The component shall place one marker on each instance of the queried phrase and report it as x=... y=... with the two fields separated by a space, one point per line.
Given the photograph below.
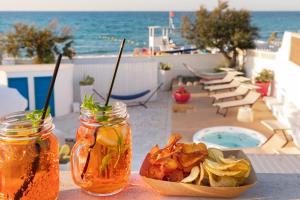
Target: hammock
x=130 y=97
x=133 y=96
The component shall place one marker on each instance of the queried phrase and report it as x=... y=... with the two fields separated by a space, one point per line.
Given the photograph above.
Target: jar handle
x=78 y=160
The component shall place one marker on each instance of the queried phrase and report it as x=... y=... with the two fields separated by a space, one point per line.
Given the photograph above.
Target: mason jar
x=29 y=165
x=101 y=157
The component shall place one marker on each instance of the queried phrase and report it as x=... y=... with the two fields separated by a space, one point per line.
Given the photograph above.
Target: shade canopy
x=11 y=101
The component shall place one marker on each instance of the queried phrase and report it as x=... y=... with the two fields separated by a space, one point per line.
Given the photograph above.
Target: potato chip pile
x=226 y=172
x=174 y=162
x=217 y=171
x=193 y=163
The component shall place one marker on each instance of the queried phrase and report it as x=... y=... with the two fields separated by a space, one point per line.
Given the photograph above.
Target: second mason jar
x=101 y=157
x=29 y=168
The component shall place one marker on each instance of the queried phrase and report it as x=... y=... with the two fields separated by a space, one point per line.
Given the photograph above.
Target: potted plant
x=263 y=80
x=86 y=86
x=165 y=75
x=181 y=95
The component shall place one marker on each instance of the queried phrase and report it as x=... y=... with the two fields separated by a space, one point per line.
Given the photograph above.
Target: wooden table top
x=278 y=178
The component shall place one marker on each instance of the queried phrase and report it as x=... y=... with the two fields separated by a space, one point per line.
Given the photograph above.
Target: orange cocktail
x=29 y=168
x=101 y=157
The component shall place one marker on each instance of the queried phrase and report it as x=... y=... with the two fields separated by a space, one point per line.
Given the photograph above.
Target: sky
x=142 y=5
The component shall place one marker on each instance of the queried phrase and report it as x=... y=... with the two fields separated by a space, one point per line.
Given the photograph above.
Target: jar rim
x=16 y=126
x=116 y=115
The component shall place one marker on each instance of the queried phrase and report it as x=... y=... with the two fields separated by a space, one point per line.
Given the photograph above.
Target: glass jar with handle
x=101 y=157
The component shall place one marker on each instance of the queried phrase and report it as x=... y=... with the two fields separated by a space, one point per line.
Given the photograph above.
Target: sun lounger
x=227 y=79
x=240 y=91
x=226 y=69
x=277 y=127
x=249 y=100
x=236 y=82
x=273 y=145
x=213 y=88
x=205 y=75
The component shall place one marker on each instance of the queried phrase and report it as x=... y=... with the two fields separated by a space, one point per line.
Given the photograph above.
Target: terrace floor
x=201 y=114
x=153 y=125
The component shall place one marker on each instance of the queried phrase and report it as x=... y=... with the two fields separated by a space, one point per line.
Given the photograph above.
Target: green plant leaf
x=105 y=161
x=36 y=116
x=95 y=108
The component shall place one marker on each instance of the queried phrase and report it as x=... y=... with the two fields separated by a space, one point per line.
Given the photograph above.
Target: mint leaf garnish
x=36 y=116
x=94 y=107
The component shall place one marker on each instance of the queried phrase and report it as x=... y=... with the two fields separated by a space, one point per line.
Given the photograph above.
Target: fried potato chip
x=219 y=172
x=244 y=167
x=219 y=166
x=192 y=148
x=154 y=149
x=229 y=160
x=170 y=165
x=193 y=175
x=174 y=176
x=145 y=166
x=201 y=175
x=174 y=138
x=187 y=160
x=215 y=154
x=155 y=172
x=221 y=181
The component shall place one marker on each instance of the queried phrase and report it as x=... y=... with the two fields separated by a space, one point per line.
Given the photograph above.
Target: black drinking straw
x=115 y=72
x=106 y=104
x=35 y=163
x=50 y=90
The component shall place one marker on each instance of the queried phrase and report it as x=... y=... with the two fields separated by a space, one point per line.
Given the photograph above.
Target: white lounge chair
x=214 y=88
x=227 y=79
x=240 y=91
x=249 y=100
x=205 y=75
x=226 y=69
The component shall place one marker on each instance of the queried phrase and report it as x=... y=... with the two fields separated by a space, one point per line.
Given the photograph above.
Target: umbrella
x=11 y=101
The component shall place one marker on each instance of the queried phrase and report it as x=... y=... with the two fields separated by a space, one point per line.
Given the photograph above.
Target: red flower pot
x=181 y=95
x=264 y=88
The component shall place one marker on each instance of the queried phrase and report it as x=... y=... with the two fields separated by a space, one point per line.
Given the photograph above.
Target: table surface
x=278 y=178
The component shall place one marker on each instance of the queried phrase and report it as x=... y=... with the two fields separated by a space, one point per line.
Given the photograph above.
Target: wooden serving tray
x=183 y=189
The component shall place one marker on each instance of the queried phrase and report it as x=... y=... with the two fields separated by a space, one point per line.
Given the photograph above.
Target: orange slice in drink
x=107 y=136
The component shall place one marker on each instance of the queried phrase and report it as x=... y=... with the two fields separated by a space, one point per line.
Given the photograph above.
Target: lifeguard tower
x=159 y=35
x=158 y=38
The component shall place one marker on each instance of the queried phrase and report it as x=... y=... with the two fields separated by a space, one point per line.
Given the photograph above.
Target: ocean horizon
x=100 y=32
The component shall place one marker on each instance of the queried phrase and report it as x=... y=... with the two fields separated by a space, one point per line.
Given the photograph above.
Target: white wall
x=286 y=83
x=136 y=73
x=132 y=77
x=201 y=62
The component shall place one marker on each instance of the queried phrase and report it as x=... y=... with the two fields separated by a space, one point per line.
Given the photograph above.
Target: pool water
x=229 y=137
x=231 y=140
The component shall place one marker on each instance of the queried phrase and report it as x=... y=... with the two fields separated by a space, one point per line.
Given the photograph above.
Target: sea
x=101 y=32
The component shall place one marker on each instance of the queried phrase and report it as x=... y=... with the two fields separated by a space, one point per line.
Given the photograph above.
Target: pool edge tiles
x=199 y=135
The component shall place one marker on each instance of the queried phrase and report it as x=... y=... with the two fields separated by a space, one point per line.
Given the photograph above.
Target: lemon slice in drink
x=107 y=136
x=64 y=150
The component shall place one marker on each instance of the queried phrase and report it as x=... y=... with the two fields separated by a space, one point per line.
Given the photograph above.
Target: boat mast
x=171 y=21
